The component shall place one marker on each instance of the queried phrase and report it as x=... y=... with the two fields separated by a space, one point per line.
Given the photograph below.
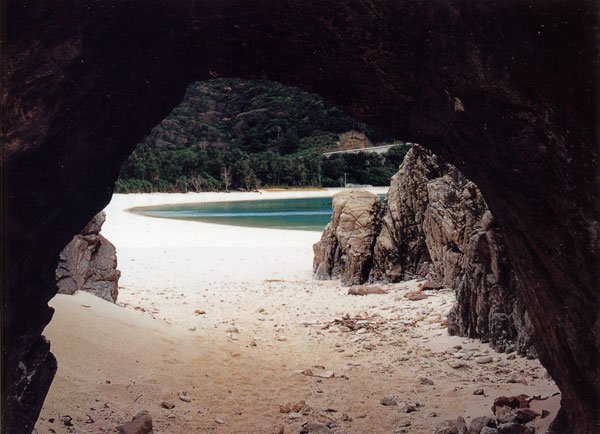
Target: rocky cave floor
x=272 y=356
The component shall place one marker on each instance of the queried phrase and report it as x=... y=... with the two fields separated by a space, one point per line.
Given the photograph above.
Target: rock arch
x=506 y=91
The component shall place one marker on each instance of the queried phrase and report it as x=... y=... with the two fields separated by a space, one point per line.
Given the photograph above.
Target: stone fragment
x=366 y=290
x=140 y=424
x=388 y=400
x=415 y=296
x=408 y=408
x=182 y=395
x=167 y=404
x=315 y=428
x=478 y=423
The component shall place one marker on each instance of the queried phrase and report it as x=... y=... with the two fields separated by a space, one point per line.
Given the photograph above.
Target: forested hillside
x=235 y=134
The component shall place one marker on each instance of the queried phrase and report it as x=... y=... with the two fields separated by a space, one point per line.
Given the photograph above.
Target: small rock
x=488 y=430
x=478 y=392
x=483 y=359
x=455 y=364
x=461 y=425
x=315 y=428
x=192 y=329
x=285 y=408
x=366 y=290
x=409 y=408
x=326 y=374
x=199 y=312
x=426 y=381
x=295 y=415
x=182 y=395
x=66 y=420
x=388 y=400
x=478 y=423
x=403 y=423
x=431 y=286
x=232 y=329
x=140 y=424
x=297 y=407
x=432 y=414
x=346 y=418
x=446 y=427
x=167 y=404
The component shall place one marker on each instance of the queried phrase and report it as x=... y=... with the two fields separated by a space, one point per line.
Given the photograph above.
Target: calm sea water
x=308 y=214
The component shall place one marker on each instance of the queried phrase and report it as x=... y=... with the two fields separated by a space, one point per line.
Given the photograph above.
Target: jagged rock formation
x=89 y=263
x=506 y=91
x=346 y=247
x=435 y=224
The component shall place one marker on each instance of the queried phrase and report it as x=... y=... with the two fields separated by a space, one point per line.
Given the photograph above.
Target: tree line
x=223 y=169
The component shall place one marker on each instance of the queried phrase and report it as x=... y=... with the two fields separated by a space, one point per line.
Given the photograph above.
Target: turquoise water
x=308 y=214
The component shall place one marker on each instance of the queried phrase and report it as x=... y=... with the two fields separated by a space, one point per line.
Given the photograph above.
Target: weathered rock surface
x=140 y=424
x=84 y=81
x=434 y=224
x=89 y=263
x=346 y=247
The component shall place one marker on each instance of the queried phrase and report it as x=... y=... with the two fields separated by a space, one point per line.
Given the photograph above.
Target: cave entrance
x=224 y=327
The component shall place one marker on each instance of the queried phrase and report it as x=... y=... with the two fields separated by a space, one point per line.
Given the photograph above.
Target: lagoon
x=307 y=214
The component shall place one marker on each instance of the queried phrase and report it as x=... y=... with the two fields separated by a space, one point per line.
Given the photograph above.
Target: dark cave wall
x=505 y=91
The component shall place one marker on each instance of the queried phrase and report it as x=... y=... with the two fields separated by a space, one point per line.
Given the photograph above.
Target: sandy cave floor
x=232 y=316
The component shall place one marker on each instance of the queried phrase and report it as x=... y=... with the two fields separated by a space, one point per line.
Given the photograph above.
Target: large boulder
x=434 y=224
x=89 y=263
x=346 y=247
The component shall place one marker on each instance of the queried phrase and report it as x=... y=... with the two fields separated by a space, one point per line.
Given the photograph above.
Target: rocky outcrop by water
x=89 y=263
x=346 y=247
x=434 y=224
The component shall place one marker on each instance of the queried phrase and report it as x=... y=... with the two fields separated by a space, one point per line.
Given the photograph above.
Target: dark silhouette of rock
x=506 y=91
x=140 y=424
x=434 y=224
x=89 y=263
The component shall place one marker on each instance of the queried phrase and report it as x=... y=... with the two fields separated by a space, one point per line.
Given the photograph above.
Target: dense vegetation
x=234 y=134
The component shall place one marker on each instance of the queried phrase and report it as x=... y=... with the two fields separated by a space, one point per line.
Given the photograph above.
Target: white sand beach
x=231 y=315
